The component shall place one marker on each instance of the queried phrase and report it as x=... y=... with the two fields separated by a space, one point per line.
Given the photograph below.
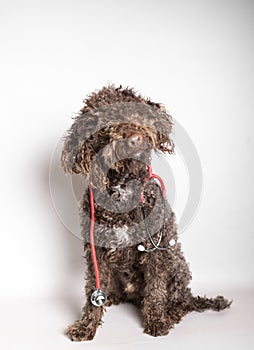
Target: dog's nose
x=135 y=141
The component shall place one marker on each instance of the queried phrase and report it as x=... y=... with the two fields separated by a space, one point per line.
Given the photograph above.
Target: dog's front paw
x=79 y=331
x=156 y=329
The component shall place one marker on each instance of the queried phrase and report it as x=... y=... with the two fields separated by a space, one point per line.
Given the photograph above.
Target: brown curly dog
x=110 y=143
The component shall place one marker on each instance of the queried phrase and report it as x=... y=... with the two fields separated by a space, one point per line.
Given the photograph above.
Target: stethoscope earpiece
x=141 y=248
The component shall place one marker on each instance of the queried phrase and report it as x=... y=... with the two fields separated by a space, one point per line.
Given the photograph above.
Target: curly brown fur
x=100 y=146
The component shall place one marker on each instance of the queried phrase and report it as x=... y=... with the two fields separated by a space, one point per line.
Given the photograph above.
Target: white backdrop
x=196 y=57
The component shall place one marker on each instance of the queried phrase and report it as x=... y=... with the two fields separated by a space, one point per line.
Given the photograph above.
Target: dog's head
x=115 y=126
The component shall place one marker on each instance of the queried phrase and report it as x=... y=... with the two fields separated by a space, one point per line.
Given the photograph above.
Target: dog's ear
x=163 y=142
x=77 y=151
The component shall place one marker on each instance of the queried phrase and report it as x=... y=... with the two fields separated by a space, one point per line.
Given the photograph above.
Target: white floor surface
x=40 y=323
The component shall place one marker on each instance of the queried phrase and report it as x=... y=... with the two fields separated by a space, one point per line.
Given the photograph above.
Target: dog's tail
x=201 y=304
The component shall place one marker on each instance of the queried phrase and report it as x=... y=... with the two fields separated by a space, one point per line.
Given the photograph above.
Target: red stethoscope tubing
x=154 y=176
x=92 y=245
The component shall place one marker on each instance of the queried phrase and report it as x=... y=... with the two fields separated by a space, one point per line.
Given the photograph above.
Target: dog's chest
x=125 y=264
x=122 y=194
x=123 y=258
x=119 y=221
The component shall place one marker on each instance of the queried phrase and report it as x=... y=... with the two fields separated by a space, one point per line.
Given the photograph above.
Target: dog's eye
x=102 y=131
x=148 y=140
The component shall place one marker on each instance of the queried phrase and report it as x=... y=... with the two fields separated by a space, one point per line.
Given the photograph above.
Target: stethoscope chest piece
x=98 y=298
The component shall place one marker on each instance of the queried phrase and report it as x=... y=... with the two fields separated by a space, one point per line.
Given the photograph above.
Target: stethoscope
x=98 y=297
